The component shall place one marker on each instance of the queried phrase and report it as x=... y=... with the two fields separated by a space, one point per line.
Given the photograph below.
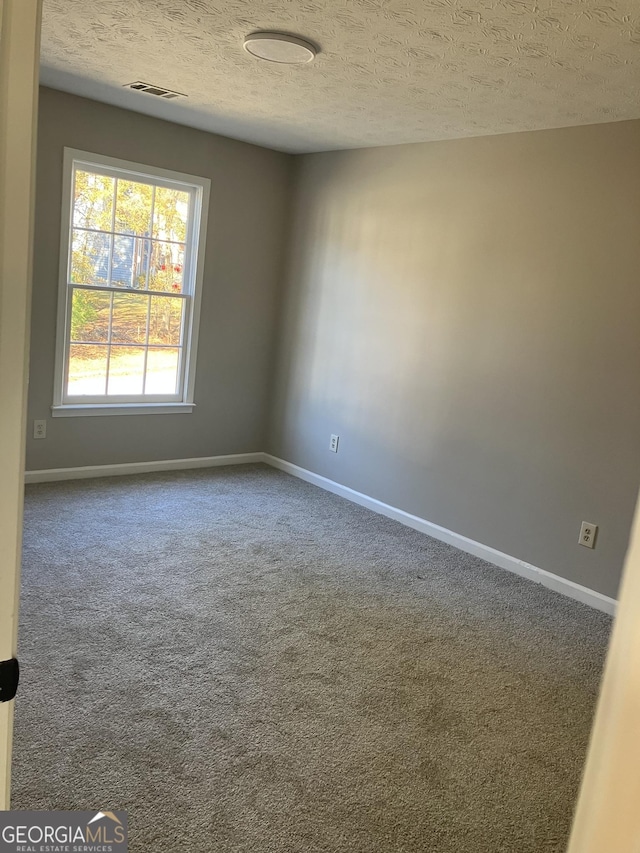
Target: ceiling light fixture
x=280 y=47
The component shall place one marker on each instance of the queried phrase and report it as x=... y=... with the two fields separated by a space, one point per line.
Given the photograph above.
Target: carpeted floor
x=248 y=664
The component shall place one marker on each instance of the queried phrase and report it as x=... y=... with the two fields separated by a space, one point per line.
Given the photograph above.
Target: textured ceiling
x=389 y=71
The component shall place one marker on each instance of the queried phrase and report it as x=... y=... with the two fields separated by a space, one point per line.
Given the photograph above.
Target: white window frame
x=199 y=188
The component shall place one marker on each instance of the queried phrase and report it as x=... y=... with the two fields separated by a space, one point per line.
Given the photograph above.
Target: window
x=132 y=252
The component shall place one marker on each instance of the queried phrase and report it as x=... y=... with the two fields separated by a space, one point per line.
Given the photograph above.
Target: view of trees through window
x=126 y=274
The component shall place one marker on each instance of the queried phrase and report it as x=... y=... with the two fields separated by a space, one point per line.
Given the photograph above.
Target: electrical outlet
x=333 y=444
x=588 y=534
x=39 y=429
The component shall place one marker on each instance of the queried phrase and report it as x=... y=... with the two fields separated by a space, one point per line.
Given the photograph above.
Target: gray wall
x=249 y=191
x=466 y=316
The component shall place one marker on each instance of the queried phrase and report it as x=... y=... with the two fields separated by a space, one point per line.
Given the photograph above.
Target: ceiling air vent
x=158 y=91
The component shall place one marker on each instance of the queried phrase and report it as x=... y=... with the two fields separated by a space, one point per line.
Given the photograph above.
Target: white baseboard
x=51 y=474
x=491 y=555
x=485 y=552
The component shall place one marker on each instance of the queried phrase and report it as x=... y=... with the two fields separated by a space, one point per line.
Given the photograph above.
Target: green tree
x=156 y=217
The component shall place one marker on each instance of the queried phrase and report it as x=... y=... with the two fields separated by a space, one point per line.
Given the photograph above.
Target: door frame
x=607 y=818
x=20 y=22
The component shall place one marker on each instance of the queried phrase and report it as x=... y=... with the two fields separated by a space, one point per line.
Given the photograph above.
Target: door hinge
x=9 y=677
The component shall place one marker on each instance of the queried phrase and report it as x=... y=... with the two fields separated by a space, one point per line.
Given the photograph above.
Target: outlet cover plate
x=588 y=533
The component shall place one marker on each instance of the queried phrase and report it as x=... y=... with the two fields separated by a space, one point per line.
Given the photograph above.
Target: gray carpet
x=248 y=664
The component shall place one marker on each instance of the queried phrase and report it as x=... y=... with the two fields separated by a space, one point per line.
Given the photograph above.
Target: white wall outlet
x=39 y=429
x=588 y=533
x=333 y=444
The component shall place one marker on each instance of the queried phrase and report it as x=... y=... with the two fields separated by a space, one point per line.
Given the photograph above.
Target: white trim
x=121 y=409
x=19 y=54
x=470 y=546
x=112 y=166
x=49 y=475
x=198 y=228
x=193 y=274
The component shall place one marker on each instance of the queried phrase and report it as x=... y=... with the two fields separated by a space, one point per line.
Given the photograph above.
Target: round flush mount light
x=280 y=47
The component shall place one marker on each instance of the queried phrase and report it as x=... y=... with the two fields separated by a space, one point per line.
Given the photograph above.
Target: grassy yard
x=88 y=369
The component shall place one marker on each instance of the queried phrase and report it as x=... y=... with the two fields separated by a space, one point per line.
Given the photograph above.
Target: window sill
x=93 y=409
